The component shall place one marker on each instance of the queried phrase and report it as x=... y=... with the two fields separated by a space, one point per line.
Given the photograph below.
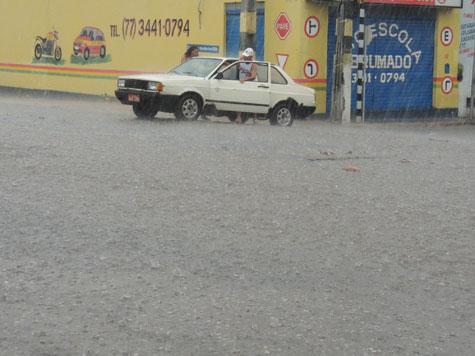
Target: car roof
x=91 y=28
x=232 y=59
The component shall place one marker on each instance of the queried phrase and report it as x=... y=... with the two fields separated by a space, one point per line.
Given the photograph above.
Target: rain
x=132 y=232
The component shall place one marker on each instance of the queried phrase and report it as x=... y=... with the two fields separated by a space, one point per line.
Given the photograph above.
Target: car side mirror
x=219 y=75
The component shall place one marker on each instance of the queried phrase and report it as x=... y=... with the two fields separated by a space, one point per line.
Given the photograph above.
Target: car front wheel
x=144 y=110
x=282 y=115
x=188 y=108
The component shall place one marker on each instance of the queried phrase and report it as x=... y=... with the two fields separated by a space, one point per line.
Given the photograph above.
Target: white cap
x=248 y=52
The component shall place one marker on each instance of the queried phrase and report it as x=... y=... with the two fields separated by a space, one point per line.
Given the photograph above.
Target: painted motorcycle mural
x=48 y=46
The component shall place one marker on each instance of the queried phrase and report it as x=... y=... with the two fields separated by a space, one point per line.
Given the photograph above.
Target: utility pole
x=361 y=77
x=247 y=26
x=341 y=91
x=472 y=97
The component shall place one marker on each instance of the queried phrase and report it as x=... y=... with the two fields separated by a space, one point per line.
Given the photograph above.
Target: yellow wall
x=297 y=45
x=131 y=52
x=128 y=51
x=446 y=59
x=146 y=53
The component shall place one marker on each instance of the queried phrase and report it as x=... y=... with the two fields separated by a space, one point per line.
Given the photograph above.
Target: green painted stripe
x=57 y=74
x=440 y=86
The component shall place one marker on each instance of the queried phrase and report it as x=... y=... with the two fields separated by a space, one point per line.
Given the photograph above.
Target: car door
x=228 y=94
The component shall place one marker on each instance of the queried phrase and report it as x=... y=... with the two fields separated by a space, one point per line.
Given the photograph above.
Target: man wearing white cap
x=247 y=72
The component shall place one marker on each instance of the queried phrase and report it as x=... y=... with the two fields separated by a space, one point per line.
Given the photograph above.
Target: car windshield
x=197 y=67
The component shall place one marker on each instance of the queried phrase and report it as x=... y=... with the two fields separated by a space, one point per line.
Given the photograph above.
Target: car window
x=225 y=64
x=197 y=67
x=276 y=77
x=262 y=72
x=232 y=73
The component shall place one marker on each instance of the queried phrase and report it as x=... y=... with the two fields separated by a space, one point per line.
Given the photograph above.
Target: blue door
x=233 y=34
x=400 y=54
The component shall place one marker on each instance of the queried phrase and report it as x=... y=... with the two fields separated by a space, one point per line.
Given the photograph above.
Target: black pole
x=361 y=62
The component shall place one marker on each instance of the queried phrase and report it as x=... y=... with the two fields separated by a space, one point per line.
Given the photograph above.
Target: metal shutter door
x=233 y=34
x=400 y=60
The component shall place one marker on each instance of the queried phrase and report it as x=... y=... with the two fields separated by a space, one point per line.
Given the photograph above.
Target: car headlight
x=155 y=86
x=121 y=83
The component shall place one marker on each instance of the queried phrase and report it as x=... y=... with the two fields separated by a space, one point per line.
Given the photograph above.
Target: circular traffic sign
x=447 y=85
x=310 y=68
x=446 y=36
x=312 y=26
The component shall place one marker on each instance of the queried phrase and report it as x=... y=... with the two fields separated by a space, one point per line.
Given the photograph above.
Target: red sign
x=446 y=36
x=312 y=26
x=282 y=26
x=447 y=85
x=405 y=2
x=441 y=3
x=282 y=59
x=310 y=68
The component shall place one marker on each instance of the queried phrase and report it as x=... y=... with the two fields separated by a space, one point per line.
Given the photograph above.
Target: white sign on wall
x=467 y=56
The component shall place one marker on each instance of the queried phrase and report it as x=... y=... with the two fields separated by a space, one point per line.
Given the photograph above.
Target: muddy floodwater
x=134 y=237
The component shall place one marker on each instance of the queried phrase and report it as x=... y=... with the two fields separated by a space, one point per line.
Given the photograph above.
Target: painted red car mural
x=90 y=41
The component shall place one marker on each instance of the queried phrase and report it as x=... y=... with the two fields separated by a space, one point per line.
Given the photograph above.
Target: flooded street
x=132 y=237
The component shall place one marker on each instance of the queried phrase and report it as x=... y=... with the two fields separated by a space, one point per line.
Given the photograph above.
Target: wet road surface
x=121 y=236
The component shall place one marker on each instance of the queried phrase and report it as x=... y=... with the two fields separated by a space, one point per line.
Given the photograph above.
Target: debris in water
x=405 y=160
x=352 y=169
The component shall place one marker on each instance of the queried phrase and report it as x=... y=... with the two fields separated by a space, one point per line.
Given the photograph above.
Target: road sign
x=282 y=59
x=312 y=26
x=447 y=85
x=310 y=68
x=282 y=26
x=446 y=36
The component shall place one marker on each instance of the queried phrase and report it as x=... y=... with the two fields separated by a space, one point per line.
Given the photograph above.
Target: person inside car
x=247 y=72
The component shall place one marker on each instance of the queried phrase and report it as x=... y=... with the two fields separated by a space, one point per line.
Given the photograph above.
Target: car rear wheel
x=102 y=53
x=282 y=115
x=145 y=110
x=189 y=107
x=86 y=54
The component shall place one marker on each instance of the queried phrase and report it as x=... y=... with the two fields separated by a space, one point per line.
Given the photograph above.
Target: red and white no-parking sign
x=446 y=36
x=310 y=68
x=312 y=26
x=282 y=26
x=447 y=85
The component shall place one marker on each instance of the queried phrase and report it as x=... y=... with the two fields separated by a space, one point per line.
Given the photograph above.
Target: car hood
x=165 y=77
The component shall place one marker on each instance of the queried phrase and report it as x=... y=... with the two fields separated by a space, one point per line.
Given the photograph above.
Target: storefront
x=410 y=61
x=466 y=72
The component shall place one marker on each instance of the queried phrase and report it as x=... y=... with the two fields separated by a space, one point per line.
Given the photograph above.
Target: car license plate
x=134 y=98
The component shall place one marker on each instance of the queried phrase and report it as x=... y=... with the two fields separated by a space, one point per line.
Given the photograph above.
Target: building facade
x=412 y=46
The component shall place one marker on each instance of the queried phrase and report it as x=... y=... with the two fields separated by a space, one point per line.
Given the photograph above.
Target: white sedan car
x=210 y=85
